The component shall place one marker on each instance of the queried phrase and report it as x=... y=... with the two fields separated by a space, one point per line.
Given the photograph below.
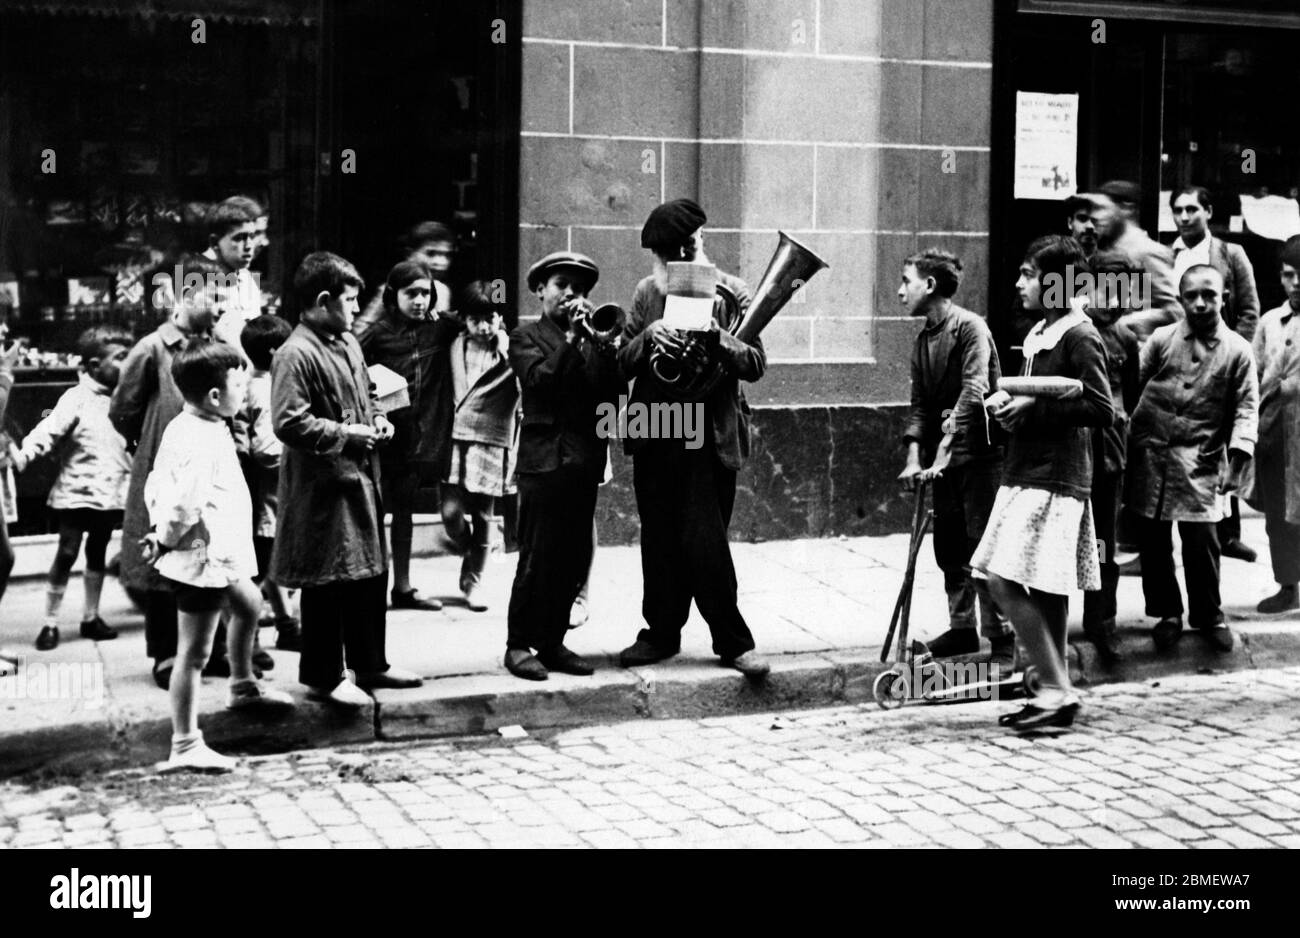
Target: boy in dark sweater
x=954 y=365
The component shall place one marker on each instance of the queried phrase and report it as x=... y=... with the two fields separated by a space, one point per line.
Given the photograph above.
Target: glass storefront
x=118 y=129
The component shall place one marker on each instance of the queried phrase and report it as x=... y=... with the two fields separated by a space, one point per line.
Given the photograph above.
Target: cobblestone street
x=1199 y=761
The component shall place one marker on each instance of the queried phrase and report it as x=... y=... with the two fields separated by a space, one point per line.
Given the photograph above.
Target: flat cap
x=540 y=272
x=1121 y=190
x=671 y=224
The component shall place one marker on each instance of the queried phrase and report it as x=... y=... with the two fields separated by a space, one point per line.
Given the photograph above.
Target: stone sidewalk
x=819 y=608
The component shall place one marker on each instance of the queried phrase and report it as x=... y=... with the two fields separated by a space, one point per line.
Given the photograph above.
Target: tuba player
x=684 y=495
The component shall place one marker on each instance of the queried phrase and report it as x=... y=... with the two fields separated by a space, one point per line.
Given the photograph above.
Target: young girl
x=202 y=543
x=1040 y=543
x=90 y=491
x=486 y=397
x=415 y=343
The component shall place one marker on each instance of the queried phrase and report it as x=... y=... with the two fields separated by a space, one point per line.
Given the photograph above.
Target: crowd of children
x=1168 y=430
x=243 y=457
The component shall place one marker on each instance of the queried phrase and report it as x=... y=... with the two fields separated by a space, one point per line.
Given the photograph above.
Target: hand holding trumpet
x=576 y=311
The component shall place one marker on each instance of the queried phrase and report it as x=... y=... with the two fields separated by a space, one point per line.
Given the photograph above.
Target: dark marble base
x=812 y=472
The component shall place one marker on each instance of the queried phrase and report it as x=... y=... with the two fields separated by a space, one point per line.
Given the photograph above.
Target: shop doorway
x=425 y=99
x=1165 y=101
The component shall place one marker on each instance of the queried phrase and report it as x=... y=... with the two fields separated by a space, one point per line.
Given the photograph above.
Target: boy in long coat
x=1196 y=418
x=145 y=400
x=329 y=526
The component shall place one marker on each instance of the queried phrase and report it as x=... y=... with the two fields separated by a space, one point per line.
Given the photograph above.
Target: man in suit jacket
x=685 y=489
x=1193 y=209
x=567 y=381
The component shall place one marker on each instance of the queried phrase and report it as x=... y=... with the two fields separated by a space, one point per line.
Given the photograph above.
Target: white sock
x=53 y=602
x=182 y=744
x=94 y=585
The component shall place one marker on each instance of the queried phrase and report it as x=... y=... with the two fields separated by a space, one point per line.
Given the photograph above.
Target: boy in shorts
x=202 y=541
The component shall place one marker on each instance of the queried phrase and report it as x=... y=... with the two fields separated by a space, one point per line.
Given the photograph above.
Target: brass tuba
x=792 y=266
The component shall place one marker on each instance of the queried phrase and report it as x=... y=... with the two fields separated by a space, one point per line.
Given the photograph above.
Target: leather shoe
x=48 y=640
x=409 y=600
x=750 y=664
x=1062 y=716
x=1167 y=632
x=1219 y=636
x=392 y=679
x=1024 y=713
x=1285 y=599
x=288 y=634
x=1239 y=551
x=97 y=630
x=261 y=657
x=955 y=642
x=1106 y=642
x=642 y=652
x=522 y=664
x=565 y=661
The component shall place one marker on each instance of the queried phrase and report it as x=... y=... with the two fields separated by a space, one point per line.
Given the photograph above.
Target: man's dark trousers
x=963 y=499
x=684 y=498
x=1200 y=568
x=555 y=515
x=344 y=618
x=1283 y=537
x=1099 y=606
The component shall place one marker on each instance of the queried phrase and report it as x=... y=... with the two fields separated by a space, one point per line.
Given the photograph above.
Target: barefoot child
x=202 y=542
x=90 y=491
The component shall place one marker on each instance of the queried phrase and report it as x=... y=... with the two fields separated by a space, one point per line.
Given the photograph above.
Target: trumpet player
x=685 y=495
x=566 y=377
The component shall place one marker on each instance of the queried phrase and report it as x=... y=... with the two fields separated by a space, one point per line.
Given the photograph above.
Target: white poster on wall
x=1047 y=145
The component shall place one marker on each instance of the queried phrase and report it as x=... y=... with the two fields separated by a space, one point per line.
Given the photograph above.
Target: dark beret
x=540 y=272
x=671 y=224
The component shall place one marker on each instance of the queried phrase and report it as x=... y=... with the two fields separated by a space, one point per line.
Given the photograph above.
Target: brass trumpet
x=603 y=325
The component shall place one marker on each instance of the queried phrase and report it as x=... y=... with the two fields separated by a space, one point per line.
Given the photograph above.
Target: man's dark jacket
x=726 y=408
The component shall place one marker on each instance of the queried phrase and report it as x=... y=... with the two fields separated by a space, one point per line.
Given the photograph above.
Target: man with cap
x=567 y=381
x=685 y=495
x=1115 y=215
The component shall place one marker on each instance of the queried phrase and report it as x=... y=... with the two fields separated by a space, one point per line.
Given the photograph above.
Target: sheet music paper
x=691 y=289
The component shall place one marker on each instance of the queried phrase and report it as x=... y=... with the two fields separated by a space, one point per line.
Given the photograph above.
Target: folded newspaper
x=391 y=388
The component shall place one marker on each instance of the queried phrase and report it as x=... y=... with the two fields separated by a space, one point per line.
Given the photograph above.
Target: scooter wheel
x=1031 y=682
x=890 y=689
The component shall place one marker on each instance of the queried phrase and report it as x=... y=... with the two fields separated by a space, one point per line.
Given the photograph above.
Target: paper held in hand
x=391 y=388
x=691 y=289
